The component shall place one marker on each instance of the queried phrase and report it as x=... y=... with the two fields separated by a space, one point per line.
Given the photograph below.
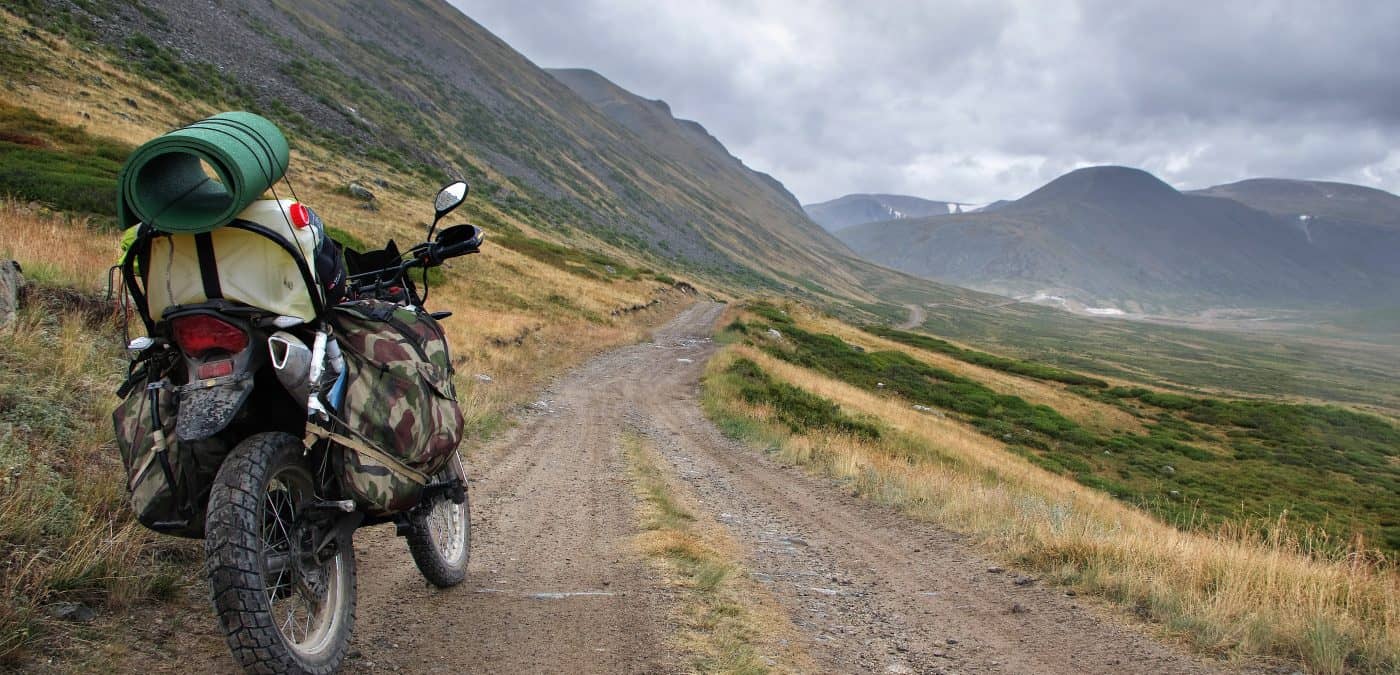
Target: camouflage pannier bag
x=399 y=405
x=159 y=467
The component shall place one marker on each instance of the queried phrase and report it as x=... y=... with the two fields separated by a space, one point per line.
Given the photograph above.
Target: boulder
x=359 y=192
x=11 y=280
x=72 y=611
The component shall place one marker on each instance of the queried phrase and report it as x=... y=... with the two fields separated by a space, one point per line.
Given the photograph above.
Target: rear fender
x=207 y=407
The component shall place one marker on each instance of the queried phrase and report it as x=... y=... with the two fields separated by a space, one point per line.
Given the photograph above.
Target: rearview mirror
x=449 y=198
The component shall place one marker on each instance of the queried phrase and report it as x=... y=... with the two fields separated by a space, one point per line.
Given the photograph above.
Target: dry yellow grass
x=55 y=248
x=64 y=532
x=732 y=625
x=1230 y=593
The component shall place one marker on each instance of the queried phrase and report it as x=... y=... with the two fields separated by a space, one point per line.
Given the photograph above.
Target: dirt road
x=917 y=316
x=557 y=585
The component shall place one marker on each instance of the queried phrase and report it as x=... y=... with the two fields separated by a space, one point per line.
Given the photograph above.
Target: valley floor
x=561 y=579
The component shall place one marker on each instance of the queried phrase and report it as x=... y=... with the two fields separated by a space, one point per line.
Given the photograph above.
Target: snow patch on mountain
x=1104 y=311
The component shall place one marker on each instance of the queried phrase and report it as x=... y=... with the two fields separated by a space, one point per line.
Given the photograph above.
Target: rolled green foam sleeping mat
x=164 y=185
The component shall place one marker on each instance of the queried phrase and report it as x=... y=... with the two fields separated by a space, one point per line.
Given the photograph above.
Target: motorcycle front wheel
x=285 y=607
x=440 y=534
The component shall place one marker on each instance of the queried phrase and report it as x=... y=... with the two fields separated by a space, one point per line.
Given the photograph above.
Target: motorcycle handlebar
x=434 y=254
x=459 y=249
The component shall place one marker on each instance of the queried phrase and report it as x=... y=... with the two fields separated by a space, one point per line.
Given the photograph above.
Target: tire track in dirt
x=872 y=590
x=555 y=582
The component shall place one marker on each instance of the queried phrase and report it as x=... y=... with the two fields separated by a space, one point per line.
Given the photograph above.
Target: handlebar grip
x=462 y=248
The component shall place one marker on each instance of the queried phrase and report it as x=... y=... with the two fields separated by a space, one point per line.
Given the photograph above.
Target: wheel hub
x=309 y=565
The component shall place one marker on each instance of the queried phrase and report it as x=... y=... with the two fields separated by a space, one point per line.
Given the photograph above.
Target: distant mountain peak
x=1118 y=237
x=1314 y=199
x=859 y=209
x=1100 y=182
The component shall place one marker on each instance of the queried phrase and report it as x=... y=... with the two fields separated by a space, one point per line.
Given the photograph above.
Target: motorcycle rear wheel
x=440 y=534
x=282 y=609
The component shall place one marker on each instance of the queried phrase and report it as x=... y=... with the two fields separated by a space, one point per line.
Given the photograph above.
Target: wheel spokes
x=444 y=520
x=297 y=613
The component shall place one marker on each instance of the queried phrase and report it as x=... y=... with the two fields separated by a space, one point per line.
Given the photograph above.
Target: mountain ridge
x=1313 y=198
x=654 y=120
x=1121 y=238
x=861 y=208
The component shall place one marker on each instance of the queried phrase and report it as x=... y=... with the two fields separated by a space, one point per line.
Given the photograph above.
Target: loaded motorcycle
x=277 y=404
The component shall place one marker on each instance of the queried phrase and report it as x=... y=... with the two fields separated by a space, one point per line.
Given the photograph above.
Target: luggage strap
x=366 y=448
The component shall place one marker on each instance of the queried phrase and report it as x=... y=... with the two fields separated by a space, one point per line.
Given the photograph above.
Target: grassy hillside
x=1246 y=527
x=372 y=106
x=1364 y=374
x=1198 y=463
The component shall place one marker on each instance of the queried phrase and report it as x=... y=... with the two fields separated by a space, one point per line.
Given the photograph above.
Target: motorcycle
x=233 y=425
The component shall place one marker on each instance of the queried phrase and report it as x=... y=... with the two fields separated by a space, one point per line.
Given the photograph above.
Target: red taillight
x=213 y=369
x=199 y=334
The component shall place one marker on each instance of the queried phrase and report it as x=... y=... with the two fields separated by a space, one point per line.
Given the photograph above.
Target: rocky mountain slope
x=700 y=158
x=858 y=209
x=686 y=141
x=424 y=89
x=1114 y=237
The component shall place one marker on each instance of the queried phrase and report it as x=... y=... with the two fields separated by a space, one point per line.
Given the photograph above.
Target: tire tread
x=231 y=565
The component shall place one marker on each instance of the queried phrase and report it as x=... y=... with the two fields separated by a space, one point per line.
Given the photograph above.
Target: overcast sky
x=988 y=99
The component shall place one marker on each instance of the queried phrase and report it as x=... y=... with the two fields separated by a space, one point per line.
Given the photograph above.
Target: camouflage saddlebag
x=399 y=401
x=156 y=467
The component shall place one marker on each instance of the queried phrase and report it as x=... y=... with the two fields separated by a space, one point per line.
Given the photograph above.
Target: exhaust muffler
x=291 y=360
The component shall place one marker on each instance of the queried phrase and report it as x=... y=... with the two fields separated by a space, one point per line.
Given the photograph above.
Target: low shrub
x=799 y=410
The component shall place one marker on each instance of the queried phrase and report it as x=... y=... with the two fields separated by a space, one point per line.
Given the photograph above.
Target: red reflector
x=301 y=216
x=214 y=369
x=201 y=333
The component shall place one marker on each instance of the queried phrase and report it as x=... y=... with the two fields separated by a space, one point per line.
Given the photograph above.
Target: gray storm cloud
x=976 y=101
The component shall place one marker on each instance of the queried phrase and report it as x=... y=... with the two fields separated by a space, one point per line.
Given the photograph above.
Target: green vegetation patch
x=799 y=410
x=58 y=165
x=347 y=239
x=1176 y=357
x=1031 y=369
x=1352 y=457
x=181 y=75
x=1327 y=474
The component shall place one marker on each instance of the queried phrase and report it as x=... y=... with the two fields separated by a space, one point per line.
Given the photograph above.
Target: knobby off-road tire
x=263 y=481
x=441 y=536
